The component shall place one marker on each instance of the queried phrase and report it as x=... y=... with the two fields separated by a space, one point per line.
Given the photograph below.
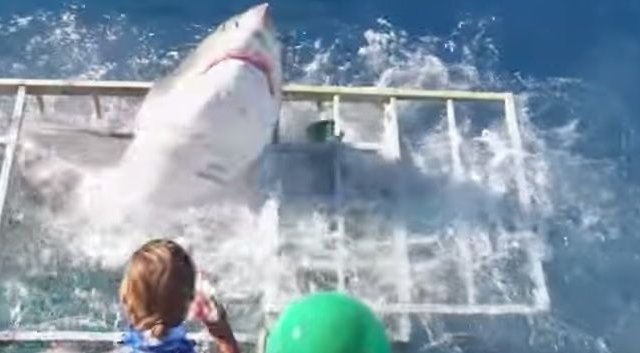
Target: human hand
x=211 y=314
x=205 y=309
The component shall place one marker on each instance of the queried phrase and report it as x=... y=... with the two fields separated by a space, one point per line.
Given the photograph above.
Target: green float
x=328 y=323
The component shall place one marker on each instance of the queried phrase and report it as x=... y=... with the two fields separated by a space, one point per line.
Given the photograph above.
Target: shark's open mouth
x=258 y=61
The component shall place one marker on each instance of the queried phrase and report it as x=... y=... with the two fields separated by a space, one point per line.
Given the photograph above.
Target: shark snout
x=263 y=14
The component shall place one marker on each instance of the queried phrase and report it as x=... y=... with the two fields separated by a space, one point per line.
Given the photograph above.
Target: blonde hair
x=158 y=287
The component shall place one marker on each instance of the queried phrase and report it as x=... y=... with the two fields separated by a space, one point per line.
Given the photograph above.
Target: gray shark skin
x=198 y=132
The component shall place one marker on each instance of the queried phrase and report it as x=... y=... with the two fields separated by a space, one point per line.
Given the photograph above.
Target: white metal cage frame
x=335 y=95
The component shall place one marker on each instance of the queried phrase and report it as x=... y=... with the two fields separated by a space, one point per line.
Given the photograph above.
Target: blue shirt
x=175 y=341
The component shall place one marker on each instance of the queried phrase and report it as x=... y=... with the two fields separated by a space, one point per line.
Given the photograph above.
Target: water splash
x=587 y=212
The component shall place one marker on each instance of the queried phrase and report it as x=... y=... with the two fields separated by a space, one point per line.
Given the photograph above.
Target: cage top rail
x=291 y=92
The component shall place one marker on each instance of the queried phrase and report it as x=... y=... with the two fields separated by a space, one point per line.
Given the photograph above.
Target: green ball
x=328 y=323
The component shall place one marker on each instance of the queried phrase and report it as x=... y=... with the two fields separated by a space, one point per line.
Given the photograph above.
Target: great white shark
x=197 y=131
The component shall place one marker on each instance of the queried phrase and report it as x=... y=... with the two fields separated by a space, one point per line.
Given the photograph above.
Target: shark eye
x=237 y=24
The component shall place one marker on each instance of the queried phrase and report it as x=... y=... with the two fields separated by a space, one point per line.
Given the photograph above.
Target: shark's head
x=249 y=36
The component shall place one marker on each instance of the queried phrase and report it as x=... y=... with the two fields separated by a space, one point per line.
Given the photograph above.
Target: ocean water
x=572 y=64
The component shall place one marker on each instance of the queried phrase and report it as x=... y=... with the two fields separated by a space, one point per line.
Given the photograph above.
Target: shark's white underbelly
x=194 y=148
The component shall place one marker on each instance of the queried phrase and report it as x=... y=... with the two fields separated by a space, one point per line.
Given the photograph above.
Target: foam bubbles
x=66 y=275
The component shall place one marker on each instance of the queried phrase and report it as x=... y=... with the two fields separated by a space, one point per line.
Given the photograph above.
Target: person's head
x=158 y=287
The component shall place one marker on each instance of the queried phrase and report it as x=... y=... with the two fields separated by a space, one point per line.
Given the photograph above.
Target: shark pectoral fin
x=52 y=179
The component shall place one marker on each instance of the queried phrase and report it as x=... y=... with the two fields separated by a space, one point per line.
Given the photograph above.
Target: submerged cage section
x=365 y=244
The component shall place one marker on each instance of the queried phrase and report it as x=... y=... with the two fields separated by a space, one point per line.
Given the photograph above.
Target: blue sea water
x=573 y=63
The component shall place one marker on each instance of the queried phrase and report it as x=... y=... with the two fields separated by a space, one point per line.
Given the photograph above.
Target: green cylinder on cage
x=322 y=131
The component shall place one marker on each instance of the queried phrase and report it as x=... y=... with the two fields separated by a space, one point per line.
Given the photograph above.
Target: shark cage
x=339 y=154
